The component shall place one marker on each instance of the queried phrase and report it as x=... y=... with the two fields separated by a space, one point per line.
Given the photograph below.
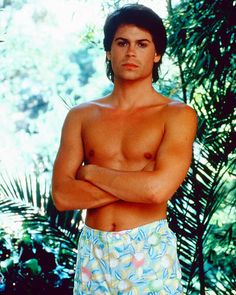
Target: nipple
x=148 y=156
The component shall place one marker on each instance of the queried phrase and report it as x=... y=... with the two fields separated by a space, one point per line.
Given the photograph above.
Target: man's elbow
x=158 y=196
x=57 y=199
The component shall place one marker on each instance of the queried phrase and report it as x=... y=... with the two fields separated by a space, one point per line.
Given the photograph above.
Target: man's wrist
x=89 y=172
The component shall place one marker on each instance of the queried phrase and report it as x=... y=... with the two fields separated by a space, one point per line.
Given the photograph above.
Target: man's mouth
x=129 y=65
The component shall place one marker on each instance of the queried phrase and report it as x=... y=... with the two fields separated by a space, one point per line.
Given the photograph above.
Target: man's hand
x=81 y=172
x=149 y=167
x=84 y=172
x=89 y=172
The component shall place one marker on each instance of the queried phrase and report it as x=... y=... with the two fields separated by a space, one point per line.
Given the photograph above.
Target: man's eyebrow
x=139 y=40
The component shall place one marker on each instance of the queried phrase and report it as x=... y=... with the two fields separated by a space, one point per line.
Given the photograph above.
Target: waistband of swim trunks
x=149 y=227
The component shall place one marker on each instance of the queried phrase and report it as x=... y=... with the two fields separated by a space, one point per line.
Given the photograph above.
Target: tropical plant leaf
x=203 y=50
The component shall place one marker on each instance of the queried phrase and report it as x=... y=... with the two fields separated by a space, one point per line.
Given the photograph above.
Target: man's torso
x=125 y=141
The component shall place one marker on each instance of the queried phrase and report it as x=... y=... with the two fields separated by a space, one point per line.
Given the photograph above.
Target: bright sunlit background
x=46 y=63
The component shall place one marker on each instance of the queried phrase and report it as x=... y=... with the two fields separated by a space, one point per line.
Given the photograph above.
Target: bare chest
x=112 y=139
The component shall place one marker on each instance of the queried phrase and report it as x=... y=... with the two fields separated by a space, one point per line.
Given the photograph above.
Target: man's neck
x=129 y=95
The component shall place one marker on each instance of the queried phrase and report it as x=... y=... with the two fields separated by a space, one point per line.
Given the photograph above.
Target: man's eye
x=122 y=43
x=142 y=45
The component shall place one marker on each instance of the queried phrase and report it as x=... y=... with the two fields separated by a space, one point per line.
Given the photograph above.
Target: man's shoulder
x=180 y=107
x=90 y=105
x=171 y=104
x=178 y=111
x=85 y=108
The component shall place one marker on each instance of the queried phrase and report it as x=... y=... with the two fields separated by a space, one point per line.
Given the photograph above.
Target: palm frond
x=203 y=51
x=36 y=193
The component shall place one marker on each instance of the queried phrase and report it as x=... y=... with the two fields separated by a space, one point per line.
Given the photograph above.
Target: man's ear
x=157 y=57
x=108 y=55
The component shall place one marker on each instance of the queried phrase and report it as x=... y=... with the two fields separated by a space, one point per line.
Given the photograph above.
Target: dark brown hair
x=142 y=17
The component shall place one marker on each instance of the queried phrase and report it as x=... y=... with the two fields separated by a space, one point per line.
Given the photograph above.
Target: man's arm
x=68 y=192
x=171 y=165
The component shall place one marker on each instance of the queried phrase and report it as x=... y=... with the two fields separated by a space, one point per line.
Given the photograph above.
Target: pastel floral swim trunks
x=139 y=261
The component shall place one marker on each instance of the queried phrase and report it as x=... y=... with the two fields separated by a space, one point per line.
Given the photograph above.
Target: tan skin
x=122 y=157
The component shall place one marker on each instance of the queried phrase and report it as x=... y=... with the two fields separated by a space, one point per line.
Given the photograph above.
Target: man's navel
x=91 y=153
x=113 y=226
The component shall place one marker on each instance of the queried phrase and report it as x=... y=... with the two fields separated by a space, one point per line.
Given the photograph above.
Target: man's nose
x=131 y=50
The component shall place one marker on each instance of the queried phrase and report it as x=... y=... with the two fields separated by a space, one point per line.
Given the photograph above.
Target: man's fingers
x=150 y=166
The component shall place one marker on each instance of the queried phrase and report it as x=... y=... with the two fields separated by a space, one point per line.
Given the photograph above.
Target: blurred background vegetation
x=51 y=58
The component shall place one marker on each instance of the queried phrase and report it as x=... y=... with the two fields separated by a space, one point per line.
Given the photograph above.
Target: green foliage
x=38 y=253
x=201 y=39
x=40 y=64
x=29 y=265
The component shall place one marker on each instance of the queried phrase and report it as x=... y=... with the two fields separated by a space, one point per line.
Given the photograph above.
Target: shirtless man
x=122 y=157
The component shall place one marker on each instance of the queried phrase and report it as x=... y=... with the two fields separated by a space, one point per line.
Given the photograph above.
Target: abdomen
x=123 y=215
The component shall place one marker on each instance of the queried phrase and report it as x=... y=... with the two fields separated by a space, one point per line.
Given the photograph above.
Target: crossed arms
x=94 y=186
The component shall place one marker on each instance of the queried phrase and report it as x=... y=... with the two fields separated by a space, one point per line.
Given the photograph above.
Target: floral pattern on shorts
x=141 y=261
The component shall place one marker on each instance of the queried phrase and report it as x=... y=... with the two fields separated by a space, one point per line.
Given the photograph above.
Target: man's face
x=132 y=53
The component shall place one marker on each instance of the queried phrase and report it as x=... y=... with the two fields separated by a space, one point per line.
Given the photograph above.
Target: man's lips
x=129 y=65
